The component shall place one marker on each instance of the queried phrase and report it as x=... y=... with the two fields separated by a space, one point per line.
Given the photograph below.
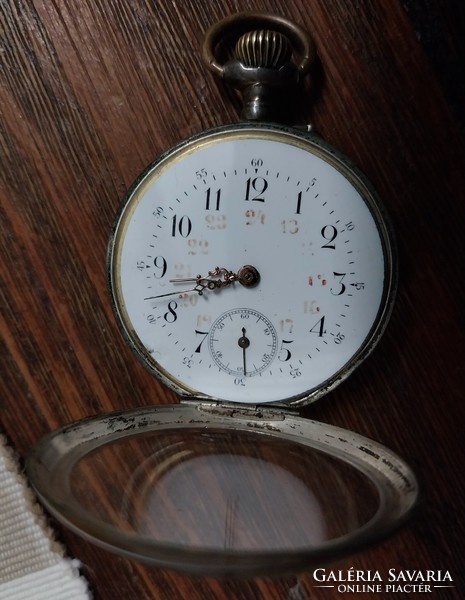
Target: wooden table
x=91 y=92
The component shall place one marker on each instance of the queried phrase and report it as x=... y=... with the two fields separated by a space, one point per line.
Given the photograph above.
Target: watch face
x=252 y=265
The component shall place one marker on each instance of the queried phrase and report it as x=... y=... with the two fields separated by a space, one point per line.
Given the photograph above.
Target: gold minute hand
x=247 y=276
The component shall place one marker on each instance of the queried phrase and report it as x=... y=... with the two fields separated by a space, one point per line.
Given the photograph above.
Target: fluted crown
x=263 y=48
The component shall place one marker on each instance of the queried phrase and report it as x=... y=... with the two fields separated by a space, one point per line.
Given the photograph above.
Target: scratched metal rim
x=51 y=462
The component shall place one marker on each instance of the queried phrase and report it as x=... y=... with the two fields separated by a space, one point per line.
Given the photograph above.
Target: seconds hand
x=244 y=343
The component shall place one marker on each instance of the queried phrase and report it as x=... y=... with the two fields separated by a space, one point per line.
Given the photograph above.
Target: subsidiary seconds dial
x=243 y=342
x=251 y=264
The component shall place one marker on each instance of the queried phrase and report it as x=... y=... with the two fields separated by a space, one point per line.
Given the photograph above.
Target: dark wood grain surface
x=92 y=91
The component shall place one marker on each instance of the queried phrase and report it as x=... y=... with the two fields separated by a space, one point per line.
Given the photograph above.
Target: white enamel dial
x=268 y=201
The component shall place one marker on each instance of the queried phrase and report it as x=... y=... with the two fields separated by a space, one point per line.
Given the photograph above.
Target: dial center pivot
x=243 y=341
x=248 y=276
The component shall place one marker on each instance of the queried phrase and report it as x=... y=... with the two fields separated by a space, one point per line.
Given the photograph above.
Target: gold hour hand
x=226 y=278
x=247 y=276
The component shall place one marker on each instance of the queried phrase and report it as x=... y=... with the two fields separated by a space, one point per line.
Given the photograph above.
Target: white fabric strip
x=32 y=563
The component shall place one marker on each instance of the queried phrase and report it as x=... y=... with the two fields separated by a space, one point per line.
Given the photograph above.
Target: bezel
x=51 y=466
x=302 y=139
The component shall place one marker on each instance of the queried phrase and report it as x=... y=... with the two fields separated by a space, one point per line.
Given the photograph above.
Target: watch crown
x=263 y=48
x=265 y=57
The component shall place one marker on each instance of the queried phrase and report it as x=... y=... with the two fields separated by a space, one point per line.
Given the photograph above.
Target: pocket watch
x=251 y=269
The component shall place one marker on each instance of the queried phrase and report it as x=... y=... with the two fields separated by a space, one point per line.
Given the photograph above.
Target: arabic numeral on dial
x=329 y=233
x=350 y=226
x=284 y=353
x=214 y=198
x=197 y=247
x=254 y=217
x=170 y=315
x=299 y=196
x=160 y=265
x=341 y=288
x=239 y=381
x=151 y=319
x=295 y=373
x=311 y=306
x=256 y=162
x=201 y=174
x=183 y=226
x=319 y=327
x=216 y=222
x=286 y=326
x=204 y=335
x=256 y=187
x=338 y=338
x=290 y=226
